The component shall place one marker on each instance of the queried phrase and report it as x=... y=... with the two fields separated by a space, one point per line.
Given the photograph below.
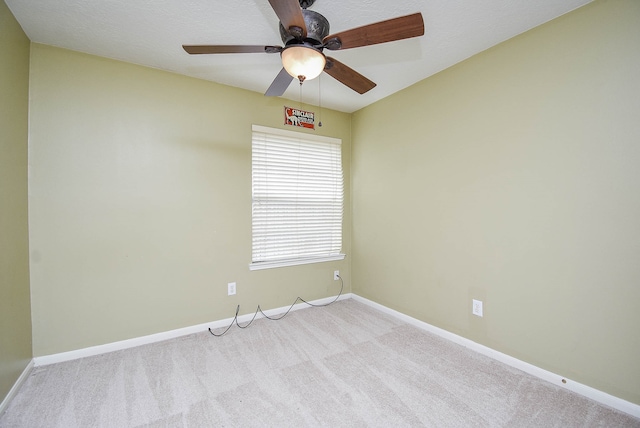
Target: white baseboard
x=584 y=390
x=159 y=337
x=16 y=386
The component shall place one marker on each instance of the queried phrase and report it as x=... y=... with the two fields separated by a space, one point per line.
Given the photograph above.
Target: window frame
x=302 y=260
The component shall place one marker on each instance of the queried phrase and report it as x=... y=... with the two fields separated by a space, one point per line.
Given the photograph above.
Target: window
x=298 y=192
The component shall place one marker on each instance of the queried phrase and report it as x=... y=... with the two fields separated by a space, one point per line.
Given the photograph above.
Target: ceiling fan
x=305 y=34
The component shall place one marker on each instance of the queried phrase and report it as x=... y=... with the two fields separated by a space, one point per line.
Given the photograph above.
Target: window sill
x=294 y=262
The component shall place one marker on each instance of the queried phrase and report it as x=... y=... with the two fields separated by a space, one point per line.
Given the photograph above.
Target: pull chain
x=319 y=102
x=301 y=79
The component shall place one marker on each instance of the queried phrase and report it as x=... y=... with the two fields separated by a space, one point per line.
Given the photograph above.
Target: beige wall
x=15 y=312
x=514 y=178
x=140 y=202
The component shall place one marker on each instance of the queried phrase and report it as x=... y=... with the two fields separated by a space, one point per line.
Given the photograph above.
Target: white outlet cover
x=231 y=288
x=477 y=307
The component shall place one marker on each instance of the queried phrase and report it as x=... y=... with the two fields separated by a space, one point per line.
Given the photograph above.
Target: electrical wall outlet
x=336 y=275
x=231 y=288
x=477 y=307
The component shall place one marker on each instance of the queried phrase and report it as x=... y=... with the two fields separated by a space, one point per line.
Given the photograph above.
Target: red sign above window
x=300 y=118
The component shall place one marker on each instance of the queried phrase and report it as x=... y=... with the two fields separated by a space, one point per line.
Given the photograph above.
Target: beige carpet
x=342 y=365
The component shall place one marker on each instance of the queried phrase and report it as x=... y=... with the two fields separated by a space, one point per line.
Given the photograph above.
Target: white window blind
x=297 y=189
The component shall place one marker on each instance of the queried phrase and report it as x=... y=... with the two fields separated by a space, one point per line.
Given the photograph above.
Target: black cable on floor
x=258 y=309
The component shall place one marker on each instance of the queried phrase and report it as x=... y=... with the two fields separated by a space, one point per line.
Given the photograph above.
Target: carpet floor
x=345 y=365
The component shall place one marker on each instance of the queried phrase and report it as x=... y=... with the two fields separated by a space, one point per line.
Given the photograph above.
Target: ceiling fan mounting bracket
x=333 y=44
x=329 y=64
x=306 y=3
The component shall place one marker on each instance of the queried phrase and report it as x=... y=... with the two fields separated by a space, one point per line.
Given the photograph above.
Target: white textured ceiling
x=152 y=32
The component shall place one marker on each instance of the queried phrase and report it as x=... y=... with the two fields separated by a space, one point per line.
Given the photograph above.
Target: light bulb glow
x=303 y=61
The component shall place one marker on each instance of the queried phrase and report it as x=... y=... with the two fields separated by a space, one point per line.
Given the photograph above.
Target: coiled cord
x=258 y=309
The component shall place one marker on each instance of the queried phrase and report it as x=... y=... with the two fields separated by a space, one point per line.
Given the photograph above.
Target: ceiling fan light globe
x=303 y=61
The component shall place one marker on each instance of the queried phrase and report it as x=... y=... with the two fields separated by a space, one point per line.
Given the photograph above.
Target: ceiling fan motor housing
x=317 y=28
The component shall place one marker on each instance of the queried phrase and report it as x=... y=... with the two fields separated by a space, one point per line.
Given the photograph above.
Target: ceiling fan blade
x=290 y=15
x=348 y=76
x=390 y=30
x=280 y=84
x=226 y=49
